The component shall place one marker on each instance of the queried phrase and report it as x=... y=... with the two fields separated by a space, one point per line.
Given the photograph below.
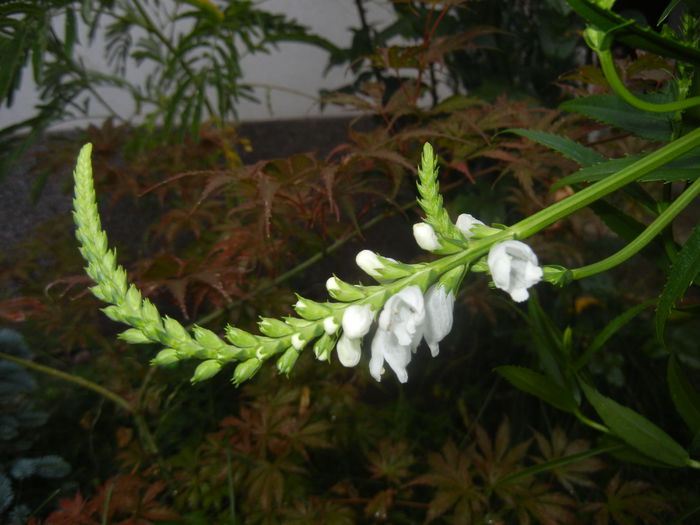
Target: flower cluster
x=407 y=317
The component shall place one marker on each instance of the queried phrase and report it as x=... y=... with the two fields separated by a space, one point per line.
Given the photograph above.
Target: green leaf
x=539 y=385
x=611 y=329
x=564 y=145
x=634 y=35
x=613 y=111
x=685 y=167
x=684 y=397
x=636 y=430
x=684 y=270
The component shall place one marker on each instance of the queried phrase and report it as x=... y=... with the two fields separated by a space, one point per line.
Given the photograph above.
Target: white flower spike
x=514 y=268
x=400 y=329
x=426 y=237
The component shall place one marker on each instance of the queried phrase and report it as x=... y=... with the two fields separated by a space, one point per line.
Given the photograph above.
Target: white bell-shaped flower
x=514 y=268
x=400 y=329
x=439 y=307
x=349 y=350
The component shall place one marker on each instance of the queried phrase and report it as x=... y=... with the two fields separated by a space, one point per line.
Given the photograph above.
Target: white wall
x=296 y=67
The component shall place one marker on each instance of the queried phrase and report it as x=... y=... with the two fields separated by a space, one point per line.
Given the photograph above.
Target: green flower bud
x=175 y=332
x=207 y=338
x=134 y=336
x=167 y=356
x=114 y=313
x=246 y=370
x=287 y=360
x=342 y=291
x=274 y=327
x=310 y=310
x=206 y=370
x=240 y=337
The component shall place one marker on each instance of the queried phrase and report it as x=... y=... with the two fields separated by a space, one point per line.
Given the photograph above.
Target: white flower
x=426 y=237
x=514 y=268
x=399 y=332
x=465 y=223
x=357 y=320
x=439 y=305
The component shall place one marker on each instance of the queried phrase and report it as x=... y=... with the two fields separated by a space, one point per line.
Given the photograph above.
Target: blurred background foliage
x=227 y=241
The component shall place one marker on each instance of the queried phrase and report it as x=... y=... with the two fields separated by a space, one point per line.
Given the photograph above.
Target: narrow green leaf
x=71 y=34
x=613 y=111
x=636 y=430
x=611 y=329
x=684 y=270
x=564 y=145
x=539 y=386
x=684 y=397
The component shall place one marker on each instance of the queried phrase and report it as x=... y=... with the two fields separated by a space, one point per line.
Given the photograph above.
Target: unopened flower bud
x=426 y=237
x=465 y=223
x=206 y=370
x=246 y=370
x=349 y=351
x=369 y=263
x=330 y=326
x=287 y=360
x=168 y=356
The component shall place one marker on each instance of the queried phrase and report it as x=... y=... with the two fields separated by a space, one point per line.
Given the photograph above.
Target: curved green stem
x=608 y=65
x=644 y=238
x=80 y=381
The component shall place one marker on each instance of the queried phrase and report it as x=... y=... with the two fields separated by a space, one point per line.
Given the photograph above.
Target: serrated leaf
x=684 y=270
x=613 y=111
x=539 y=386
x=686 y=167
x=636 y=430
x=685 y=398
x=569 y=148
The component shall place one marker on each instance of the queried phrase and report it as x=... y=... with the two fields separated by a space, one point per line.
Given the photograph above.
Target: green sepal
x=342 y=291
x=556 y=275
x=134 y=336
x=246 y=370
x=132 y=300
x=297 y=323
x=324 y=345
x=452 y=279
x=287 y=360
x=274 y=327
x=480 y=266
x=392 y=270
x=205 y=370
x=165 y=357
x=310 y=310
x=240 y=337
x=114 y=313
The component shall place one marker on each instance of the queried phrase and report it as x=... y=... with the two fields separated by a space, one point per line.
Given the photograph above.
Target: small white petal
x=386 y=348
x=439 y=306
x=349 y=351
x=425 y=236
x=330 y=326
x=357 y=320
x=465 y=223
x=368 y=261
x=297 y=342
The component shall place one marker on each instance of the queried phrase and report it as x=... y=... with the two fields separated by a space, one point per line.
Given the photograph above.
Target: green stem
x=80 y=381
x=646 y=164
x=644 y=238
x=608 y=66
